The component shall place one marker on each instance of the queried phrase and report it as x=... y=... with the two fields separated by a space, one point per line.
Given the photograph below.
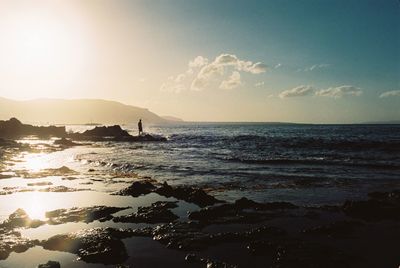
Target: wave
x=314 y=161
x=291 y=142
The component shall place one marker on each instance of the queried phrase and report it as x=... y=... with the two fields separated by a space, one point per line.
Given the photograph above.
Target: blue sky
x=320 y=61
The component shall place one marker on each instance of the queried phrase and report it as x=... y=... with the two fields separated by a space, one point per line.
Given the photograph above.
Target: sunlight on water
x=36 y=205
x=35 y=162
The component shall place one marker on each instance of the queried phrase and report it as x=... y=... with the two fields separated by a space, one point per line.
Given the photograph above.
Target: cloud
x=277 y=66
x=299 y=91
x=205 y=73
x=392 y=93
x=173 y=85
x=338 y=92
x=314 y=67
x=259 y=84
x=217 y=68
x=240 y=65
x=199 y=61
x=232 y=81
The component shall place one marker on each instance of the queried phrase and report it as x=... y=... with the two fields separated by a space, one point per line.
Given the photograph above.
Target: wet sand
x=110 y=217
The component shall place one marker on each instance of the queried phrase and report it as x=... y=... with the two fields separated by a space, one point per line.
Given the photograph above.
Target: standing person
x=140 y=127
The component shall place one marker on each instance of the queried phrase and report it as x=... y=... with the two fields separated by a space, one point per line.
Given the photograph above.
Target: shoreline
x=106 y=216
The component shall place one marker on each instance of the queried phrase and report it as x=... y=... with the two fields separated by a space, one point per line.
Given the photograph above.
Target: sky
x=307 y=61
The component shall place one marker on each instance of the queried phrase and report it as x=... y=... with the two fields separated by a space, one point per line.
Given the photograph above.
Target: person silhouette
x=140 y=127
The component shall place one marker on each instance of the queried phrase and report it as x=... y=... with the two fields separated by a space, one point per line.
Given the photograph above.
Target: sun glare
x=43 y=46
x=35 y=163
x=36 y=208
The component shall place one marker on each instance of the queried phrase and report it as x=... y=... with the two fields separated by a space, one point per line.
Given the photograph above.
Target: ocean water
x=306 y=164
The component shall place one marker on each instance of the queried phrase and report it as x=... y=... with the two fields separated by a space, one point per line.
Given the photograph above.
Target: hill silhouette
x=77 y=111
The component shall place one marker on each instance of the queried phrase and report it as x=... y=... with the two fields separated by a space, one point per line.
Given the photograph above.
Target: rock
x=380 y=206
x=113 y=133
x=65 y=142
x=13 y=128
x=20 y=218
x=50 y=264
x=84 y=214
x=262 y=247
x=62 y=189
x=61 y=171
x=299 y=254
x=69 y=178
x=188 y=235
x=157 y=213
x=12 y=241
x=245 y=203
x=97 y=245
x=307 y=254
x=193 y=258
x=105 y=131
x=336 y=229
x=188 y=194
x=41 y=183
x=242 y=211
x=137 y=188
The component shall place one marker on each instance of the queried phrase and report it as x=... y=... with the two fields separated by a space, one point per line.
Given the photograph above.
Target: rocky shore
x=177 y=225
x=13 y=128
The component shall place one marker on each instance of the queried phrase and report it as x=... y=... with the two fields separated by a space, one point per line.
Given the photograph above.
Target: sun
x=42 y=47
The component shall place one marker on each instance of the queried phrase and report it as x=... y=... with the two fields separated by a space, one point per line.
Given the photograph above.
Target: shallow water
x=304 y=164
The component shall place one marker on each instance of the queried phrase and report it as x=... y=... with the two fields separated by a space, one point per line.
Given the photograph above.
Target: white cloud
x=232 y=81
x=392 y=93
x=314 y=67
x=226 y=59
x=277 y=66
x=172 y=85
x=199 y=61
x=217 y=69
x=206 y=72
x=299 y=91
x=338 y=92
x=259 y=84
x=180 y=77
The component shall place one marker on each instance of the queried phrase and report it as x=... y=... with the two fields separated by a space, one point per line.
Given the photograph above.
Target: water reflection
x=35 y=162
x=36 y=205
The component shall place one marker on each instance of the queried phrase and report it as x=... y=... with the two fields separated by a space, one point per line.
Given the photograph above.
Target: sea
x=304 y=164
x=307 y=165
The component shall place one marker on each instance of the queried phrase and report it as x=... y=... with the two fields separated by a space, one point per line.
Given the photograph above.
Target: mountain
x=78 y=111
x=391 y=122
x=172 y=118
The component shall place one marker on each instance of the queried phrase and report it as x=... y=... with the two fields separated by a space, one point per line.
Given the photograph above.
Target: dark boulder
x=13 y=128
x=113 y=133
x=106 y=131
x=380 y=206
x=137 y=188
x=12 y=241
x=209 y=263
x=242 y=211
x=97 y=245
x=158 y=212
x=65 y=142
x=20 y=218
x=188 y=194
x=335 y=229
x=84 y=214
x=50 y=264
